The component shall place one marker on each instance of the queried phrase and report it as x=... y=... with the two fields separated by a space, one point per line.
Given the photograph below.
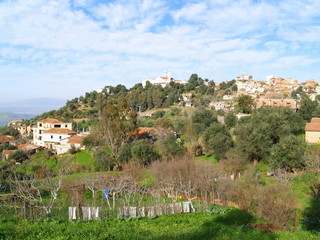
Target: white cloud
x=127 y=41
x=294 y=61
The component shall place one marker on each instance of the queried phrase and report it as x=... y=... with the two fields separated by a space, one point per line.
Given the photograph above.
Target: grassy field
x=207 y=158
x=234 y=224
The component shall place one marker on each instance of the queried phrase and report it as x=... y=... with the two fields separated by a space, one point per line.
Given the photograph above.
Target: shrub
x=102 y=159
x=142 y=152
x=19 y=155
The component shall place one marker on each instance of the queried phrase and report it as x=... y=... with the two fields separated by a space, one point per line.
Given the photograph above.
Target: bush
x=19 y=155
x=142 y=152
x=6 y=146
x=288 y=154
x=159 y=114
x=169 y=147
x=124 y=153
x=102 y=159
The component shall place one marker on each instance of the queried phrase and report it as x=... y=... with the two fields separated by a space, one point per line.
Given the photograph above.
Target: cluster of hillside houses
x=274 y=91
x=50 y=134
x=59 y=137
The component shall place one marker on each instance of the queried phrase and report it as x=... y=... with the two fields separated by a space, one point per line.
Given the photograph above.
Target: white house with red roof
x=65 y=145
x=165 y=80
x=51 y=130
x=56 y=135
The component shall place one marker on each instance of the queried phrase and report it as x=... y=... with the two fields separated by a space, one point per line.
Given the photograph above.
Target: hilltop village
x=61 y=137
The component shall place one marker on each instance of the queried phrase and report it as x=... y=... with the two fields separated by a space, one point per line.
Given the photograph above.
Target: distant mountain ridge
x=34 y=106
x=6 y=117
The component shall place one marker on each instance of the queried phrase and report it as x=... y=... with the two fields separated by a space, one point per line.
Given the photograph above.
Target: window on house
x=51 y=136
x=57 y=126
x=40 y=125
x=66 y=125
x=60 y=137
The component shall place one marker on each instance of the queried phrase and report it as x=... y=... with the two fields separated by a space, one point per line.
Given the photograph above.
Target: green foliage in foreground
x=231 y=225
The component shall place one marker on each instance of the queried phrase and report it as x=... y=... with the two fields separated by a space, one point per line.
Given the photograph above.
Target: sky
x=64 y=48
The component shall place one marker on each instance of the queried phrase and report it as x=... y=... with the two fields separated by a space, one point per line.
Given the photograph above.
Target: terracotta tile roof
x=50 y=120
x=7 y=152
x=5 y=139
x=138 y=133
x=315 y=120
x=59 y=131
x=27 y=146
x=142 y=130
x=313 y=127
x=76 y=139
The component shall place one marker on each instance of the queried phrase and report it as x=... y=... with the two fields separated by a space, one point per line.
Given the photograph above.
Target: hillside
x=6 y=117
x=139 y=98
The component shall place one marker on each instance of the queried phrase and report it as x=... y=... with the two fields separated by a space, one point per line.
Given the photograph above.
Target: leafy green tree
x=253 y=141
x=8 y=130
x=179 y=125
x=158 y=97
x=136 y=86
x=223 y=85
x=201 y=119
x=200 y=101
x=298 y=93
x=159 y=114
x=6 y=146
x=256 y=135
x=230 y=120
x=234 y=88
x=192 y=82
x=209 y=91
x=288 y=154
x=308 y=108
x=124 y=153
x=220 y=112
x=103 y=160
x=218 y=139
x=244 y=103
x=142 y=152
x=101 y=103
x=115 y=126
x=169 y=148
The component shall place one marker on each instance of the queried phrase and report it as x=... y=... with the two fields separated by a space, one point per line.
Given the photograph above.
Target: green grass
x=148 y=123
x=301 y=185
x=207 y=158
x=231 y=225
x=83 y=159
x=78 y=178
x=3 y=163
x=39 y=161
x=262 y=167
x=147 y=178
x=79 y=162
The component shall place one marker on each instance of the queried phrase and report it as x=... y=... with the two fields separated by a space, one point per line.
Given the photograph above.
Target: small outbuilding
x=312 y=131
